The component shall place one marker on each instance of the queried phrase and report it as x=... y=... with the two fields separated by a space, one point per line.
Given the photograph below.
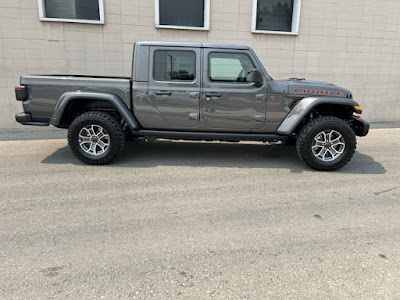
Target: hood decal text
x=319 y=92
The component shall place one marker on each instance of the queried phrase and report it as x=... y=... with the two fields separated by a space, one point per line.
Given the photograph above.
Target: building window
x=78 y=11
x=276 y=16
x=183 y=14
x=230 y=67
x=172 y=65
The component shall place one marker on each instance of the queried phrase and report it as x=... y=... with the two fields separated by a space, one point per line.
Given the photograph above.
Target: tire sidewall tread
x=311 y=129
x=110 y=124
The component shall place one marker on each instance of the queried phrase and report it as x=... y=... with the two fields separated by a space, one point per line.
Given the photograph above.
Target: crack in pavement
x=385 y=191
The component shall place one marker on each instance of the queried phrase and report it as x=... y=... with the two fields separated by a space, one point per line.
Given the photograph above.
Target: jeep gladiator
x=195 y=91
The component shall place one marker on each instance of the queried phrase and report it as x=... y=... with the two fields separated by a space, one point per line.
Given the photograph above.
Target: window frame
x=206 y=18
x=42 y=15
x=295 y=20
x=175 y=81
x=255 y=67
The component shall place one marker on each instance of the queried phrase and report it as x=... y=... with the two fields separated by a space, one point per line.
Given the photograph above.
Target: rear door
x=174 y=84
x=231 y=102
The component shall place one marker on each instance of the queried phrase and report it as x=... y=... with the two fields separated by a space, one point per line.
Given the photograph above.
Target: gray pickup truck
x=195 y=91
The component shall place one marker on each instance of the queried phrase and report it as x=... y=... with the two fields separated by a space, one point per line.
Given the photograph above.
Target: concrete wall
x=352 y=43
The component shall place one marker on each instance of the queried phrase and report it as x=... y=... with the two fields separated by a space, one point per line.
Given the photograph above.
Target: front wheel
x=96 y=138
x=326 y=143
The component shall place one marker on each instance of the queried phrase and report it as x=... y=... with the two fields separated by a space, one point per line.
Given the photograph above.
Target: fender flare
x=304 y=107
x=119 y=105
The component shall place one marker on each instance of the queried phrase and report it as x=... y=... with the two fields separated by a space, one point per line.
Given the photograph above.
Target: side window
x=277 y=16
x=171 y=65
x=183 y=14
x=87 y=11
x=230 y=67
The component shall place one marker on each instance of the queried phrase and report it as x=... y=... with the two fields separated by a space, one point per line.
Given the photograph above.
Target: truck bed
x=47 y=89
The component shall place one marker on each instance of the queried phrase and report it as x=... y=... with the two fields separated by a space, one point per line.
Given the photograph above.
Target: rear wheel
x=326 y=143
x=96 y=138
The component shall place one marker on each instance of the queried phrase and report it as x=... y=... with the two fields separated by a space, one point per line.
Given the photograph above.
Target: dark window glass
x=72 y=9
x=182 y=12
x=172 y=65
x=230 y=67
x=274 y=15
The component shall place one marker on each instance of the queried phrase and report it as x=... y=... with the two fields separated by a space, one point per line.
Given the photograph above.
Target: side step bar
x=210 y=136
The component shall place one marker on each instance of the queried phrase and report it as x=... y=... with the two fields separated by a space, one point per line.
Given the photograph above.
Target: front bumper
x=26 y=119
x=361 y=127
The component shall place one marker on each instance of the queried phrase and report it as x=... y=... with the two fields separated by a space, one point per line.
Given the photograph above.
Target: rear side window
x=171 y=65
x=230 y=67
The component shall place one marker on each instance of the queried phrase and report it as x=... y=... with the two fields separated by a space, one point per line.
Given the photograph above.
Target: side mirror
x=256 y=77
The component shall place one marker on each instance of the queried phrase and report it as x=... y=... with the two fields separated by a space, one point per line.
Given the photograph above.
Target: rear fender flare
x=304 y=107
x=119 y=105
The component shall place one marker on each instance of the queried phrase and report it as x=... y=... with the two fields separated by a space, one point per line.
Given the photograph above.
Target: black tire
x=109 y=124
x=310 y=130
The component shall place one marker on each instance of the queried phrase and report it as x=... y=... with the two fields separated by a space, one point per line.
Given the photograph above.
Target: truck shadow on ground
x=223 y=155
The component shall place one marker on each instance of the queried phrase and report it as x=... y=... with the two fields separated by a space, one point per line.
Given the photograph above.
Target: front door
x=174 y=85
x=231 y=102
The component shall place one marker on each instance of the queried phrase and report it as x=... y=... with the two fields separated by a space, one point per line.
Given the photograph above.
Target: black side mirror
x=256 y=77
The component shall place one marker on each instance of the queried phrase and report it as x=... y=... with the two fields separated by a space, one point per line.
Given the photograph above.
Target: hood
x=302 y=87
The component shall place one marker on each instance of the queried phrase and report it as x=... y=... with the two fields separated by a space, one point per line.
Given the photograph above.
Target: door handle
x=218 y=95
x=194 y=95
x=163 y=93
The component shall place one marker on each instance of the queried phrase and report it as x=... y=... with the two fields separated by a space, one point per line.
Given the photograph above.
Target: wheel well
x=340 y=111
x=78 y=106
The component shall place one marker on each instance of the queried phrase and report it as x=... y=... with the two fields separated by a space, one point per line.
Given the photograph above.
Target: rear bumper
x=361 y=127
x=26 y=119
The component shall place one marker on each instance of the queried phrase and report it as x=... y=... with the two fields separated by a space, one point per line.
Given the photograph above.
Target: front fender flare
x=119 y=105
x=304 y=107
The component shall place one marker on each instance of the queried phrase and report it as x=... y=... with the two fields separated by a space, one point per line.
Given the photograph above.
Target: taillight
x=21 y=93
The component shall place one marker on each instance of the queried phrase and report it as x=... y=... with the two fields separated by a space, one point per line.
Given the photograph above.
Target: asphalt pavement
x=195 y=220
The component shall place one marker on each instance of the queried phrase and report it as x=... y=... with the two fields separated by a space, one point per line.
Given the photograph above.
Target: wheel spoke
x=84 y=146
x=333 y=152
x=93 y=130
x=93 y=148
x=337 y=144
x=317 y=146
x=102 y=145
x=103 y=137
x=84 y=139
x=330 y=135
x=101 y=131
x=320 y=137
x=340 y=151
x=86 y=130
x=324 y=136
x=324 y=153
x=338 y=139
x=319 y=143
x=320 y=152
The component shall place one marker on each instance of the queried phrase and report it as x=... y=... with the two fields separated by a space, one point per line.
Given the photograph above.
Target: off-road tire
x=110 y=124
x=311 y=129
